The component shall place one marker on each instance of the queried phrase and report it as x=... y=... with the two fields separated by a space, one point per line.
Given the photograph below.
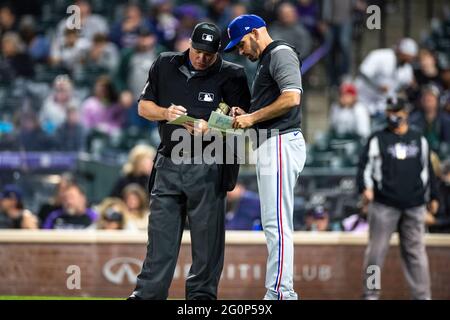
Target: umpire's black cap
x=396 y=104
x=206 y=37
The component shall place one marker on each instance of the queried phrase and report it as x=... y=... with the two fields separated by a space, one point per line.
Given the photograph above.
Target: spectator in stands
x=317 y=219
x=103 y=55
x=71 y=136
x=349 y=116
x=137 y=169
x=164 y=22
x=188 y=16
x=70 y=51
x=101 y=112
x=30 y=136
x=125 y=33
x=426 y=72
x=289 y=29
x=444 y=66
x=430 y=120
x=14 y=62
x=308 y=12
x=137 y=203
x=337 y=26
x=439 y=38
x=54 y=109
x=113 y=213
x=218 y=11
x=8 y=21
x=136 y=61
x=357 y=222
x=55 y=203
x=243 y=209
x=384 y=73
x=13 y=215
x=37 y=44
x=440 y=223
x=90 y=24
x=75 y=214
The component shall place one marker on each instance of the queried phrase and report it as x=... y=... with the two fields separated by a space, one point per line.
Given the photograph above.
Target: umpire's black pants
x=180 y=190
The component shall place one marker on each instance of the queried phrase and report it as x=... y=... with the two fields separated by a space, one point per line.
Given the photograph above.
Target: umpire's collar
x=181 y=60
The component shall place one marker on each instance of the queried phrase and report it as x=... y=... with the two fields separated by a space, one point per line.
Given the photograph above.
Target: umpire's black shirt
x=171 y=80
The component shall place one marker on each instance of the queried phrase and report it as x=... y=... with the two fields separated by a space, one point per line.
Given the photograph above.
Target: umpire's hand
x=174 y=112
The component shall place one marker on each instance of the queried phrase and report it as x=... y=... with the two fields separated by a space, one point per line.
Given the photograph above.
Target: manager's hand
x=236 y=111
x=243 y=121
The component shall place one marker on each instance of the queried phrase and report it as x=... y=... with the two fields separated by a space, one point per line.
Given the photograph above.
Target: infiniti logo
x=117 y=269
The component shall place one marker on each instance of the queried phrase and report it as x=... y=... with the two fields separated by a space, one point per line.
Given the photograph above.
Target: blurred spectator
x=125 y=33
x=440 y=223
x=135 y=62
x=14 y=62
x=182 y=43
x=102 y=55
x=113 y=212
x=289 y=29
x=70 y=136
x=54 y=109
x=357 y=222
x=70 y=51
x=74 y=214
x=55 y=203
x=13 y=215
x=219 y=12
x=439 y=39
x=349 y=116
x=164 y=22
x=430 y=120
x=243 y=209
x=384 y=73
x=91 y=24
x=137 y=203
x=317 y=219
x=8 y=21
x=30 y=136
x=188 y=16
x=102 y=111
x=37 y=44
x=137 y=169
x=444 y=66
x=308 y=12
x=337 y=26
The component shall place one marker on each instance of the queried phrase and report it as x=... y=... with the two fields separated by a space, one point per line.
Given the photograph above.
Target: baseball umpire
x=275 y=107
x=193 y=83
x=396 y=179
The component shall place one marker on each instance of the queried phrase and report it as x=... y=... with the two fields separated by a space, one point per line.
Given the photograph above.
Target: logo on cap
x=207 y=37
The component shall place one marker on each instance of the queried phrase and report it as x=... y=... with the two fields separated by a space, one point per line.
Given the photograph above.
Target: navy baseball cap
x=241 y=26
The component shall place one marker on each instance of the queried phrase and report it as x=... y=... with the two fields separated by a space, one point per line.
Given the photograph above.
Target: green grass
x=55 y=298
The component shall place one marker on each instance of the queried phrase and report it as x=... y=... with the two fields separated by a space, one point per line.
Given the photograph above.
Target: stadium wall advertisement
x=327 y=265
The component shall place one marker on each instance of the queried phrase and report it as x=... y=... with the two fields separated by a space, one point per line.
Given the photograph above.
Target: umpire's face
x=200 y=59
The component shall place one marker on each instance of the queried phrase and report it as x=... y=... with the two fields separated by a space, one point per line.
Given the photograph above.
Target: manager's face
x=200 y=59
x=249 y=47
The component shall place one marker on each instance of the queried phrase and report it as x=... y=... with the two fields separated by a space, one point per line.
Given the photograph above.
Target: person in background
x=243 y=209
x=54 y=109
x=71 y=136
x=137 y=204
x=103 y=55
x=14 y=61
x=397 y=182
x=37 y=44
x=164 y=22
x=349 y=116
x=384 y=73
x=430 y=120
x=30 y=135
x=13 y=215
x=74 y=214
x=90 y=24
x=113 y=213
x=125 y=33
x=8 y=20
x=102 y=112
x=289 y=28
x=136 y=170
x=440 y=221
x=55 y=203
x=317 y=219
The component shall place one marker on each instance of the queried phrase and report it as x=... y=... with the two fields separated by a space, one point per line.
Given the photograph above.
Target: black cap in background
x=206 y=37
x=396 y=104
